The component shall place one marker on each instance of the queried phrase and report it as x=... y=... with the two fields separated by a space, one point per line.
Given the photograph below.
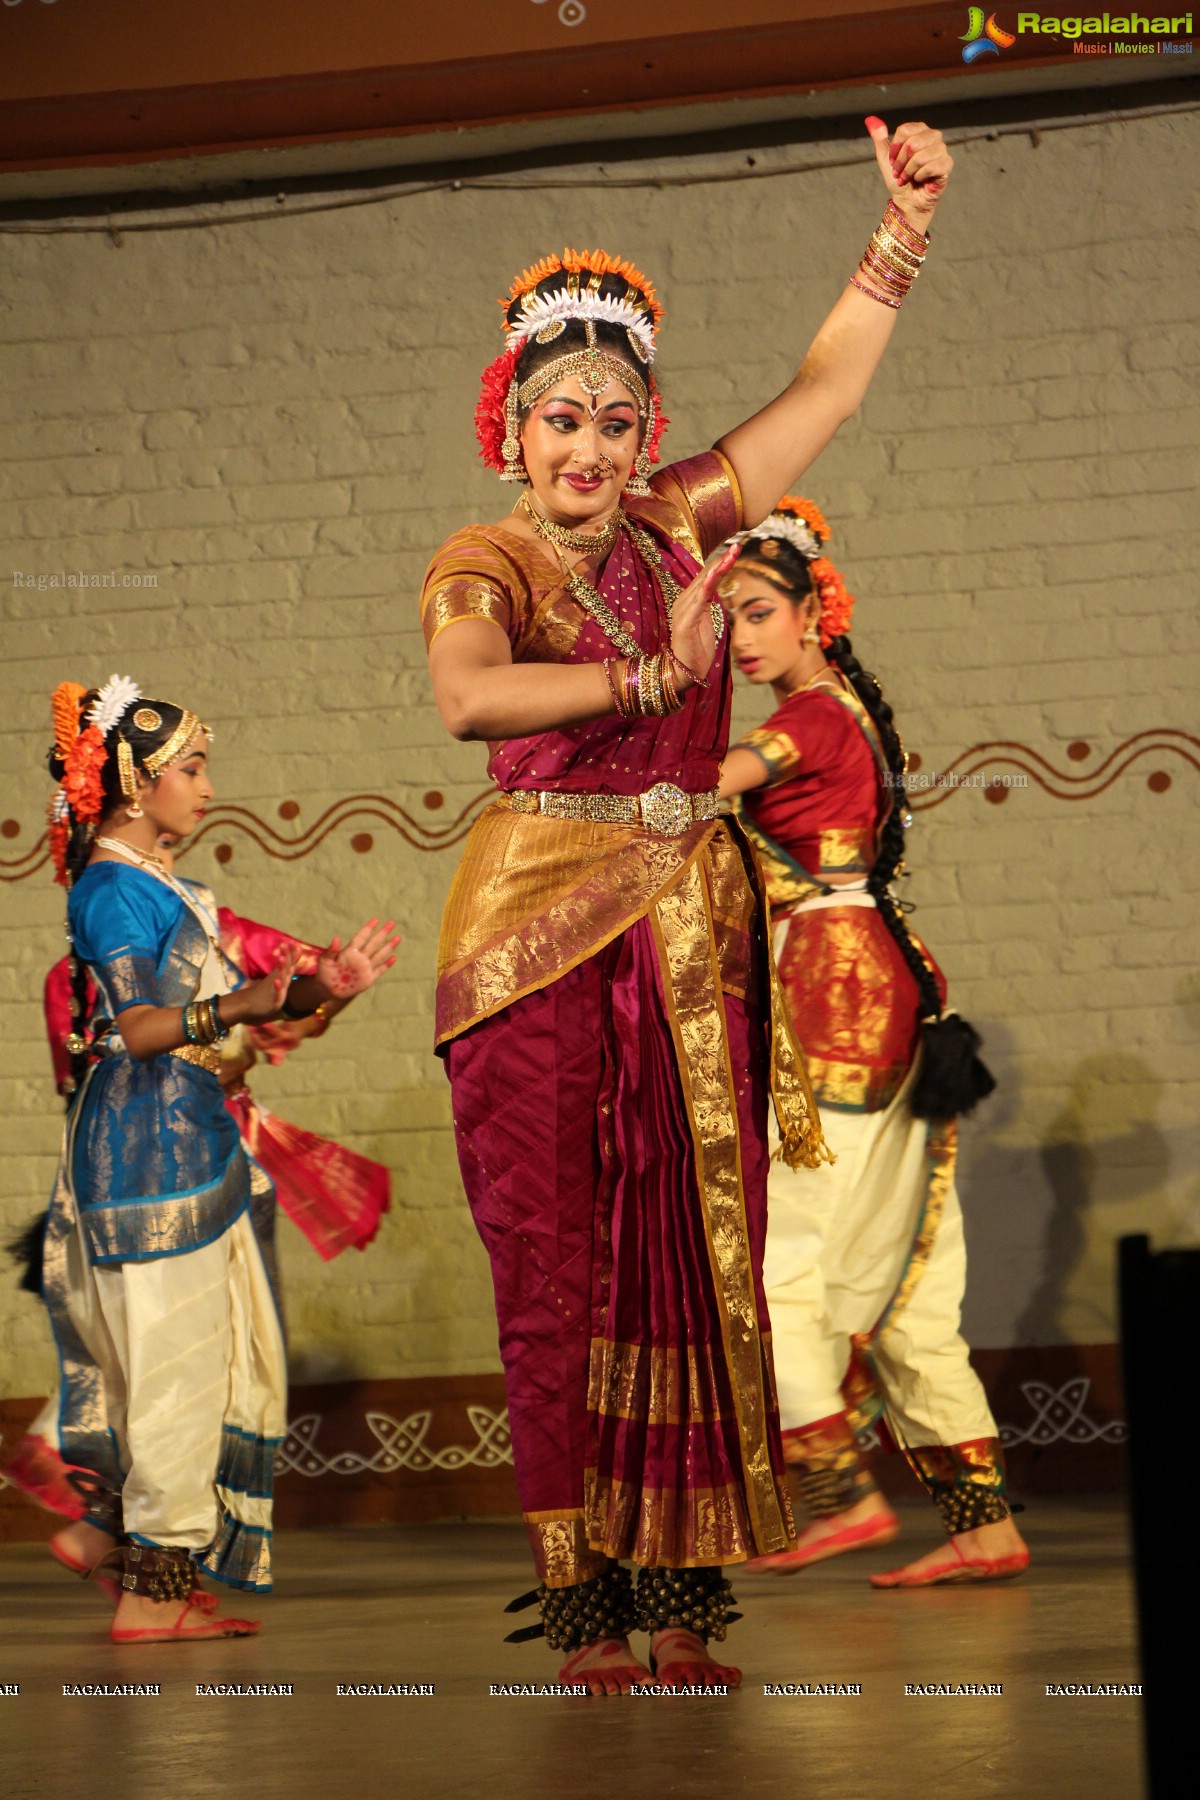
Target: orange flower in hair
x=814 y=518
x=837 y=605
x=585 y=262
x=82 y=781
x=64 y=710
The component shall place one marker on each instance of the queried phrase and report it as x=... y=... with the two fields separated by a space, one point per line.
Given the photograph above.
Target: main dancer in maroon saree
x=611 y=1023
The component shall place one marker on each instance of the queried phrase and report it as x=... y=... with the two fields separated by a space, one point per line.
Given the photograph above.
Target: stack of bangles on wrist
x=645 y=686
x=892 y=260
x=202 y=1022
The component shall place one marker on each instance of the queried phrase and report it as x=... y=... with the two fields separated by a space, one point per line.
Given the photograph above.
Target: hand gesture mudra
x=693 y=637
x=263 y=999
x=915 y=165
x=345 y=970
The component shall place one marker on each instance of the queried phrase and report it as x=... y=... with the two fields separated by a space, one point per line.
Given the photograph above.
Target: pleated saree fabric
x=613 y=1034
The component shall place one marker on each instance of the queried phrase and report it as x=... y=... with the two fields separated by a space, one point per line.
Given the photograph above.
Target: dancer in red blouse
x=865 y=1262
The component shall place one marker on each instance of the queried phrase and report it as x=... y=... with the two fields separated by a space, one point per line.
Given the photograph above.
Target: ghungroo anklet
x=158 y=1571
x=965 y=1482
x=580 y=1614
x=967 y=1508
x=696 y=1600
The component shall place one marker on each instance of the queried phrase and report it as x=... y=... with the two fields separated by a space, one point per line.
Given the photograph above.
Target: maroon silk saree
x=612 y=1029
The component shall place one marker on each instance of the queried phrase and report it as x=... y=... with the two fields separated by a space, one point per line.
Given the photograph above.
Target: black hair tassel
x=27 y=1252
x=952 y=1079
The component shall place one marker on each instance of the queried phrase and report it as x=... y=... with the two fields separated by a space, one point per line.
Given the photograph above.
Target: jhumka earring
x=510 y=449
x=812 y=635
x=639 y=482
x=127 y=776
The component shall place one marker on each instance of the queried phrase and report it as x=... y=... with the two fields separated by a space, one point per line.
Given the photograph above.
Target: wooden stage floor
x=422 y=1606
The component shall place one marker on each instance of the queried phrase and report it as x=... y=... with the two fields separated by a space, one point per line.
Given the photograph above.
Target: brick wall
x=275 y=420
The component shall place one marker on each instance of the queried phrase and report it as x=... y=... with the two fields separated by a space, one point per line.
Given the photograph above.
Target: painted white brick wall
x=275 y=419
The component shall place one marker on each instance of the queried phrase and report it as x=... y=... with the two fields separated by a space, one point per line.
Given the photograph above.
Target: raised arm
x=771 y=451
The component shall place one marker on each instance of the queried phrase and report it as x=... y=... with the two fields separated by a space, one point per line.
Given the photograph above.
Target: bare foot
x=608 y=1666
x=989 y=1553
x=138 y=1619
x=681 y=1660
x=860 y=1527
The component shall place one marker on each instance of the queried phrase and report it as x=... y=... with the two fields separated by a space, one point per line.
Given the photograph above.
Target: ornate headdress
x=83 y=749
x=798 y=522
x=541 y=303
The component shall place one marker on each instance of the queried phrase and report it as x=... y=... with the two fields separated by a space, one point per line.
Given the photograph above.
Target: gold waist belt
x=205 y=1056
x=665 y=808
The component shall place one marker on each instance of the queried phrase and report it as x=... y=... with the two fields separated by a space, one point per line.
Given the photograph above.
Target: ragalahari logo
x=983 y=38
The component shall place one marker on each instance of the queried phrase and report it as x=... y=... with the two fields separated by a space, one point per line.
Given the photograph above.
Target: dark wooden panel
x=112 y=90
x=410 y=1451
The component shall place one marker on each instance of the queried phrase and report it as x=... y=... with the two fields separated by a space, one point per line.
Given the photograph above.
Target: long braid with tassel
x=952 y=1079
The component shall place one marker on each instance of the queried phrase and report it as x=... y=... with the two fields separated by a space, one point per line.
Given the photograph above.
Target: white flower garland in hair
x=113 y=702
x=784 y=525
x=538 y=310
x=59 y=807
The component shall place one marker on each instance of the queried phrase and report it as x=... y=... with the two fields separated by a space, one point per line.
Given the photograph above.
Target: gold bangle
x=873 y=252
x=884 y=235
x=894 y=221
x=883 y=251
x=660 y=671
x=656 y=696
x=612 y=686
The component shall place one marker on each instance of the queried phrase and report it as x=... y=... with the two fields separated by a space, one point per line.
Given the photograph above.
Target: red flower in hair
x=661 y=422
x=491 y=427
x=59 y=835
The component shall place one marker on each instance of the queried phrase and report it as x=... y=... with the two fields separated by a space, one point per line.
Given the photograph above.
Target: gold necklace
x=144 y=857
x=588 y=543
x=590 y=601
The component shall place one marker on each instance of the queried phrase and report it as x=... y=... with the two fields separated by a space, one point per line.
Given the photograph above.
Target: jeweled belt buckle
x=666 y=809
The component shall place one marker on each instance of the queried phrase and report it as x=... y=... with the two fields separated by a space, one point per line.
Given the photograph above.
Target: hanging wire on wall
x=203 y=215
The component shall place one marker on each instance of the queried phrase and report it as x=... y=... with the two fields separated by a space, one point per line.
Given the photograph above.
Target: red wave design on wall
x=969 y=770
x=1003 y=755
